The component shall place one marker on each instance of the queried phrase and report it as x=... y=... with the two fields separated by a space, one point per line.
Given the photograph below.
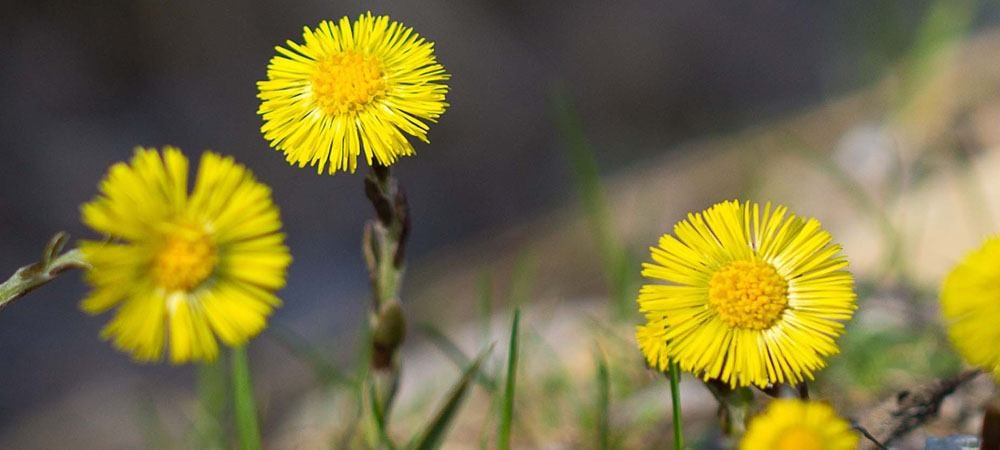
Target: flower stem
x=245 y=409
x=383 y=246
x=675 y=399
x=213 y=395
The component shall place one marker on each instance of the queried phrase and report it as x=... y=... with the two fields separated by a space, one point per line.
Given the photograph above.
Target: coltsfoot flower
x=183 y=269
x=970 y=304
x=755 y=296
x=790 y=424
x=350 y=88
x=652 y=340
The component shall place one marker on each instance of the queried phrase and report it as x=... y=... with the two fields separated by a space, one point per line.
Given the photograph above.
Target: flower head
x=970 y=303
x=652 y=341
x=755 y=295
x=351 y=87
x=183 y=268
x=790 y=424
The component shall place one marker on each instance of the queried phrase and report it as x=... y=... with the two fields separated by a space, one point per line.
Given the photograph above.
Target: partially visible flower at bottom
x=183 y=269
x=790 y=424
x=970 y=304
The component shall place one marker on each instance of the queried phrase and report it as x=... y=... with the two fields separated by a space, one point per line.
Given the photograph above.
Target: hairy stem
x=383 y=247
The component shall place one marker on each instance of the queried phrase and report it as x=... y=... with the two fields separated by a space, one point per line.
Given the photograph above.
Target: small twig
x=33 y=276
x=894 y=417
x=864 y=432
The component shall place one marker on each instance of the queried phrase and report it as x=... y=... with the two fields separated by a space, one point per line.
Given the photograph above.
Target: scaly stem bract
x=383 y=246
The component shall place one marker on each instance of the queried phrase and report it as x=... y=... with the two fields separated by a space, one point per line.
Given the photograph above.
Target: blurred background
x=861 y=113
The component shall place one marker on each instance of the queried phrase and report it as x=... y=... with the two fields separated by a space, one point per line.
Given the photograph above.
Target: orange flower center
x=346 y=82
x=748 y=294
x=186 y=259
x=799 y=438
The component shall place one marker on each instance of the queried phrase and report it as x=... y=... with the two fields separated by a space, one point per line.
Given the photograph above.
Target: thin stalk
x=603 y=400
x=675 y=399
x=507 y=405
x=212 y=399
x=383 y=248
x=583 y=159
x=243 y=402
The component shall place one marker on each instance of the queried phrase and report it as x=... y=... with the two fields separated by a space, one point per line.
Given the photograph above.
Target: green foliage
x=603 y=384
x=325 y=371
x=878 y=360
x=946 y=21
x=378 y=416
x=434 y=432
x=485 y=307
x=522 y=279
x=455 y=354
x=614 y=257
x=507 y=405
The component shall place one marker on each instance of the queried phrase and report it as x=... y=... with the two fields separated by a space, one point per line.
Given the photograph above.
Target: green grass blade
x=455 y=354
x=617 y=270
x=244 y=406
x=435 y=431
x=379 y=416
x=507 y=406
x=213 y=397
x=945 y=23
x=522 y=279
x=297 y=345
x=485 y=306
x=603 y=401
x=155 y=435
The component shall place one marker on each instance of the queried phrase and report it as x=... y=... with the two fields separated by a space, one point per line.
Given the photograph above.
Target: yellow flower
x=790 y=424
x=651 y=338
x=183 y=268
x=351 y=87
x=970 y=303
x=755 y=295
